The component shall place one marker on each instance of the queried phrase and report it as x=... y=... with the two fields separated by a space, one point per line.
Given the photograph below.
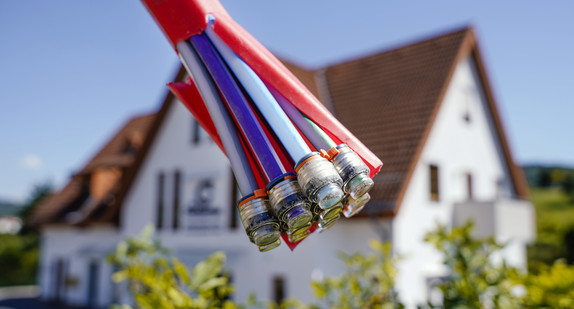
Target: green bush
x=367 y=282
x=157 y=280
x=18 y=259
x=475 y=280
x=551 y=287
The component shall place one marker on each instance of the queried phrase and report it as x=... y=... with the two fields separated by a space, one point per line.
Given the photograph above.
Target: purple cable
x=239 y=106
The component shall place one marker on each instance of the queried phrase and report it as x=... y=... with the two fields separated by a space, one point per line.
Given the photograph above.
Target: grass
x=555 y=217
x=554 y=213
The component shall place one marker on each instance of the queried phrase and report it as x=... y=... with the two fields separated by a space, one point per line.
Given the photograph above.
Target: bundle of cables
x=295 y=176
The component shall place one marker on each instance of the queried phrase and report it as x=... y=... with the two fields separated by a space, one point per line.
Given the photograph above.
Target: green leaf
x=181 y=271
x=207 y=269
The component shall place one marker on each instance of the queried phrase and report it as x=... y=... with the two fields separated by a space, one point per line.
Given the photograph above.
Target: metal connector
x=288 y=202
x=259 y=223
x=326 y=218
x=353 y=206
x=320 y=180
x=327 y=224
x=330 y=213
x=353 y=171
x=299 y=234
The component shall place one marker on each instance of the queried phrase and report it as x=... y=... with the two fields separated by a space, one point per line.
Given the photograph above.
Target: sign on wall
x=201 y=210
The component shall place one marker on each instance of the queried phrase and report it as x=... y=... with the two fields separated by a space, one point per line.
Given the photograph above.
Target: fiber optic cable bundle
x=297 y=167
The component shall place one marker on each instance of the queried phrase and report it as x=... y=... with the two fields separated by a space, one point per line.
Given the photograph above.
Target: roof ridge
x=398 y=46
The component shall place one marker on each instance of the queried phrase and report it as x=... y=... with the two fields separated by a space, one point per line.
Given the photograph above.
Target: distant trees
x=19 y=253
x=568 y=185
x=551 y=176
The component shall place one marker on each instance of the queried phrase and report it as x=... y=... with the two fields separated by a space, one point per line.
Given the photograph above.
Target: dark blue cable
x=239 y=106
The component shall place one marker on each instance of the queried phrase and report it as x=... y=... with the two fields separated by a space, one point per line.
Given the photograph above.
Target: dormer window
x=128 y=148
x=132 y=143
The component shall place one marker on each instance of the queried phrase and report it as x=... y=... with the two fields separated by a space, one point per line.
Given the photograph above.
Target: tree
x=157 y=280
x=38 y=194
x=568 y=186
x=475 y=279
x=367 y=282
x=19 y=253
x=551 y=287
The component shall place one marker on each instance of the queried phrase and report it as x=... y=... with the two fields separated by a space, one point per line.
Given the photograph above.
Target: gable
x=388 y=101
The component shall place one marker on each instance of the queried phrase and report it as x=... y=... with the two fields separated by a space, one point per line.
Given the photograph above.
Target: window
x=176 y=199
x=160 y=198
x=93 y=282
x=195 y=132
x=469 y=185
x=278 y=289
x=58 y=284
x=233 y=217
x=434 y=190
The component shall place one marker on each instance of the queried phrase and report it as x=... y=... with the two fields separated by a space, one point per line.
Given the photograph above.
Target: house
x=10 y=223
x=425 y=108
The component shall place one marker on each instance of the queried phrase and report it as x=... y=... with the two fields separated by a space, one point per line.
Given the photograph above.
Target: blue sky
x=72 y=71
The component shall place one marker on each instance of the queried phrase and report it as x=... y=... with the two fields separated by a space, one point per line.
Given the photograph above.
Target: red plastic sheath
x=180 y=19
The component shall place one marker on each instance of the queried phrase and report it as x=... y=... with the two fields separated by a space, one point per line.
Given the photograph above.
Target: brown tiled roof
x=305 y=76
x=119 y=152
x=116 y=152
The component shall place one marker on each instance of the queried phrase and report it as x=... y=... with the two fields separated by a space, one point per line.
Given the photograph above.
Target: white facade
x=458 y=147
x=462 y=141
x=66 y=257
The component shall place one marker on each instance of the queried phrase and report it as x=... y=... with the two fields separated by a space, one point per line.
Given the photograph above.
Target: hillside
x=9 y=209
x=552 y=193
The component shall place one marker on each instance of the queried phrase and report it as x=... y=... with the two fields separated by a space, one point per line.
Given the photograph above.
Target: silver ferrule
x=260 y=224
x=320 y=181
x=353 y=206
x=299 y=234
x=327 y=224
x=331 y=213
x=353 y=171
x=289 y=204
x=316 y=210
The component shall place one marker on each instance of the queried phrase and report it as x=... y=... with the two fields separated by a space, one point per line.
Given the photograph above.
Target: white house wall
x=77 y=247
x=457 y=147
